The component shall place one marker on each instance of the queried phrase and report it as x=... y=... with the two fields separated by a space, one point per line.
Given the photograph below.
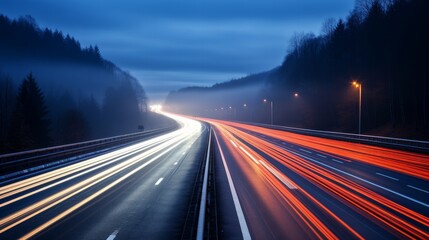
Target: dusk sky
x=170 y=44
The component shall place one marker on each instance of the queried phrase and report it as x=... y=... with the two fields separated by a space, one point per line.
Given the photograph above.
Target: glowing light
x=156 y=108
x=129 y=160
x=400 y=220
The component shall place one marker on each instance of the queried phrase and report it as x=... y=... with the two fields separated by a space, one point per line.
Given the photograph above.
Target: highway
x=272 y=184
x=144 y=190
x=268 y=184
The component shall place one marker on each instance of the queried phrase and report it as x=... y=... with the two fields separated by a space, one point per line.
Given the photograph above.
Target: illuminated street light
x=271 y=110
x=244 y=105
x=359 y=86
x=296 y=95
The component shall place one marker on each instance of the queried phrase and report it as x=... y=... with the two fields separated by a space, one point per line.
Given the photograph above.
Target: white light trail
x=97 y=172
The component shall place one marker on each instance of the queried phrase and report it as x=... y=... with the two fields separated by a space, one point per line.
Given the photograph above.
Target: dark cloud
x=169 y=44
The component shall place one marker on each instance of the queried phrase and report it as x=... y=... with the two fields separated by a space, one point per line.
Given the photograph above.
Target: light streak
x=248 y=154
x=413 y=164
x=118 y=165
x=393 y=217
x=241 y=219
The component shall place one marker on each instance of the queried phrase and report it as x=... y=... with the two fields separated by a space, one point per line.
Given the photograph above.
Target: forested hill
x=56 y=59
x=382 y=44
x=23 y=38
x=79 y=94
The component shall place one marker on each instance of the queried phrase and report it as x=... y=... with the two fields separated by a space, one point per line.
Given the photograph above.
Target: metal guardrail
x=203 y=202
x=395 y=143
x=27 y=159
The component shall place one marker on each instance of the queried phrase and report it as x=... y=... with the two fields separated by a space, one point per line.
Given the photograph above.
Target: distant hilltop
x=382 y=45
x=77 y=94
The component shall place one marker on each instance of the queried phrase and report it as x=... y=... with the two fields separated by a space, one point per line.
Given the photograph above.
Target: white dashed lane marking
x=305 y=150
x=159 y=181
x=418 y=189
x=386 y=176
x=113 y=235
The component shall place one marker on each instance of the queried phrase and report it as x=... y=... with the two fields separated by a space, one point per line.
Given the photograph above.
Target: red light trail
x=399 y=220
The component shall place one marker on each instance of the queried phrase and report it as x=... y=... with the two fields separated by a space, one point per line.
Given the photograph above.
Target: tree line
x=29 y=120
x=53 y=91
x=22 y=37
x=382 y=44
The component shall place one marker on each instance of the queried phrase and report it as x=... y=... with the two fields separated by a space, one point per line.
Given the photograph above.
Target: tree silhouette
x=74 y=127
x=382 y=44
x=30 y=126
x=7 y=99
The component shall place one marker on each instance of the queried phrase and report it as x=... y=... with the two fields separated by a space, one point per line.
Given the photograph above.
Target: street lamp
x=271 y=110
x=295 y=95
x=359 y=86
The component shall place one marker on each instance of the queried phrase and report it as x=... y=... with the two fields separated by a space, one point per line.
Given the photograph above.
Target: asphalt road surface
x=147 y=190
x=273 y=184
x=268 y=184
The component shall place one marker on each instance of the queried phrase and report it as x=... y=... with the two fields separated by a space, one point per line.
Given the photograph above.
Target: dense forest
x=53 y=91
x=381 y=44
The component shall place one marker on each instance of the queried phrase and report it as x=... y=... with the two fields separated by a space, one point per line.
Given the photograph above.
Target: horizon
x=187 y=44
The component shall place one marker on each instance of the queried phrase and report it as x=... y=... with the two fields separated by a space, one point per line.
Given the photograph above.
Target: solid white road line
x=113 y=235
x=386 y=176
x=241 y=219
x=159 y=181
x=418 y=189
x=320 y=155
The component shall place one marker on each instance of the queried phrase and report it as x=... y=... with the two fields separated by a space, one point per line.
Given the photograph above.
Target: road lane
x=329 y=193
x=267 y=213
x=115 y=195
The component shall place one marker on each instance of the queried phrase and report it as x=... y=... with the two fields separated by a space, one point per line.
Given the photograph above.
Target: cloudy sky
x=169 y=44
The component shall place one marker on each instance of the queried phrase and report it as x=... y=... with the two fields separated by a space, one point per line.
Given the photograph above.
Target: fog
x=56 y=78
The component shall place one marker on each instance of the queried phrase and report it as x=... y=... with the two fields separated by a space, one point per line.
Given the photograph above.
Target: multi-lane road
x=143 y=191
x=289 y=186
x=268 y=184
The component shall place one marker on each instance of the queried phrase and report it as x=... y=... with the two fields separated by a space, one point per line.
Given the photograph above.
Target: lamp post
x=359 y=86
x=271 y=110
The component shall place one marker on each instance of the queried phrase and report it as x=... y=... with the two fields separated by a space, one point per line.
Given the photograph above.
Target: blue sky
x=169 y=44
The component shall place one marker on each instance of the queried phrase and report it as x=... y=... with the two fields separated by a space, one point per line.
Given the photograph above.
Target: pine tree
x=30 y=126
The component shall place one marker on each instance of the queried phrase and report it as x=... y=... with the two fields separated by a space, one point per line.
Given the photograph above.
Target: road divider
x=203 y=202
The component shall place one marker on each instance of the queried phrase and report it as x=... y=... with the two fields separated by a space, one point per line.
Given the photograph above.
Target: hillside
x=84 y=95
x=381 y=44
